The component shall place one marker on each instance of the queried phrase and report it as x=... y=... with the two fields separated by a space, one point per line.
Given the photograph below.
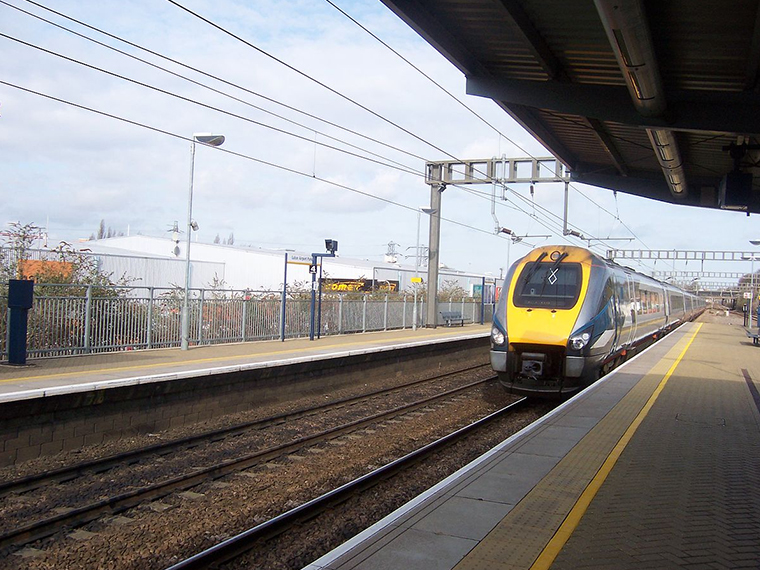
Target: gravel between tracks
x=155 y=535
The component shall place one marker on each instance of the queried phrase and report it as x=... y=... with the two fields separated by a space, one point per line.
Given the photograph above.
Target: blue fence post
x=20 y=299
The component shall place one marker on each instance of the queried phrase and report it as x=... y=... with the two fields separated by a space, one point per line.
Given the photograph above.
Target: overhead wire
x=410 y=171
x=207 y=106
x=212 y=76
x=136 y=58
x=197 y=83
x=509 y=139
x=417 y=69
x=310 y=78
x=279 y=61
x=327 y=87
x=232 y=153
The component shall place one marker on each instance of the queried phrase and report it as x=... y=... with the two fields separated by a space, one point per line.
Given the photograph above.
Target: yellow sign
x=416 y=279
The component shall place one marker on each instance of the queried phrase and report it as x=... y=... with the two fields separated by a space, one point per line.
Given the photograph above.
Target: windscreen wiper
x=534 y=267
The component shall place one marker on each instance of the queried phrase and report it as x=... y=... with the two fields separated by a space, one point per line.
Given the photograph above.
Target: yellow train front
x=566 y=316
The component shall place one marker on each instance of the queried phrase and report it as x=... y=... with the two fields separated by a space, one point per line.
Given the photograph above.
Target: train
x=566 y=316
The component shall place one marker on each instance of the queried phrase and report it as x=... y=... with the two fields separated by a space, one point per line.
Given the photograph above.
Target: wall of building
x=151 y=260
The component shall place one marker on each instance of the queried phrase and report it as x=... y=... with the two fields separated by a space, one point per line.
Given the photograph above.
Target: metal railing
x=81 y=319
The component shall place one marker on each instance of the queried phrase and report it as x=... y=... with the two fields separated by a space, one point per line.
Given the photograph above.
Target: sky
x=111 y=140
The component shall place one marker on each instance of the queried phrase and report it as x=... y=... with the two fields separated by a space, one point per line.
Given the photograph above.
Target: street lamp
x=210 y=140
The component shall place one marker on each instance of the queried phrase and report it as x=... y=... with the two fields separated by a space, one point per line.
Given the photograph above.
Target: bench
x=450 y=317
x=754 y=336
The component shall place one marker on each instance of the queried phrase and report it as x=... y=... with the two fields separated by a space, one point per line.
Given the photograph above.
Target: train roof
x=581 y=254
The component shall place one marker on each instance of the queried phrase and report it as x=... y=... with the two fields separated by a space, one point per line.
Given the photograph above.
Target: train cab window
x=548 y=285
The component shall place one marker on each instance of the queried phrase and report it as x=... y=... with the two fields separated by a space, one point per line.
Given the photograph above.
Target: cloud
x=77 y=167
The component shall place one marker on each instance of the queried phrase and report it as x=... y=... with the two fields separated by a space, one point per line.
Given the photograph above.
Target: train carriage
x=566 y=316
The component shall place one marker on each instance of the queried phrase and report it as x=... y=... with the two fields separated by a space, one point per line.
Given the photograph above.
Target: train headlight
x=497 y=337
x=580 y=340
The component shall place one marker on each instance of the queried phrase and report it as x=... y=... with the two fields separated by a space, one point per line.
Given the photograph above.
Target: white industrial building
x=154 y=262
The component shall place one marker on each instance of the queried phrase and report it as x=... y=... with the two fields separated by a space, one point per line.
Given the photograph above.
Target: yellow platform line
x=232 y=357
x=573 y=519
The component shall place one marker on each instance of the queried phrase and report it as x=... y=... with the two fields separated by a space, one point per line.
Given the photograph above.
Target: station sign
x=299 y=259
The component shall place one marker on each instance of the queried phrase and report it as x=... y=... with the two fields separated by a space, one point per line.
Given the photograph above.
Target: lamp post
x=210 y=140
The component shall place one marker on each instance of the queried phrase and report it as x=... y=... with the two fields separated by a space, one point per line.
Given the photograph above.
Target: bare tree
x=19 y=239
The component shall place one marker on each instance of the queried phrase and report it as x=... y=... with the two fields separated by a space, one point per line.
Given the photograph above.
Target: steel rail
x=243 y=542
x=113 y=505
x=63 y=474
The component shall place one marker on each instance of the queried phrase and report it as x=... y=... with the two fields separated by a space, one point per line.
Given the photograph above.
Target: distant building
x=152 y=263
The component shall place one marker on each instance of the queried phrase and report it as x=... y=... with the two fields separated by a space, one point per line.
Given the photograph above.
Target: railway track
x=117 y=503
x=242 y=543
x=100 y=465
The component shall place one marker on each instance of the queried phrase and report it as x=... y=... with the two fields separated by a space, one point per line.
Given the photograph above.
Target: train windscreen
x=548 y=285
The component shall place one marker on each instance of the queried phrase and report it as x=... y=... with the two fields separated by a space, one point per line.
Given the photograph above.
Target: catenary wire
x=234 y=153
x=172 y=73
x=183 y=98
x=312 y=79
x=478 y=115
x=417 y=69
x=404 y=169
x=323 y=85
x=128 y=79
x=221 y=80
x=203 y=85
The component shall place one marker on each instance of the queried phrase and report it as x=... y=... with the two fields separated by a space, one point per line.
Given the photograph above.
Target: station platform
x=82 y=373
x=655 y=466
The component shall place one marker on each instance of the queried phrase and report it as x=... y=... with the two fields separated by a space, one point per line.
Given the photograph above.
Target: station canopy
x=655 y=98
